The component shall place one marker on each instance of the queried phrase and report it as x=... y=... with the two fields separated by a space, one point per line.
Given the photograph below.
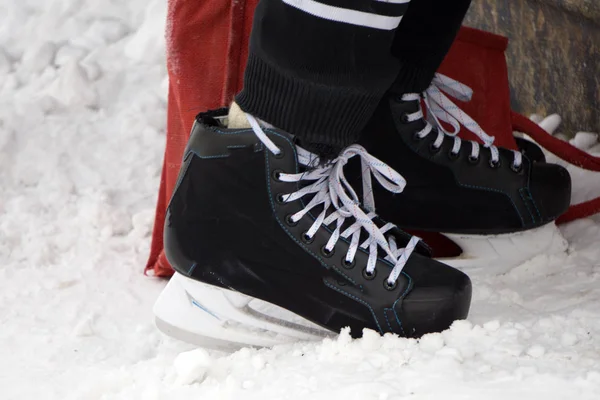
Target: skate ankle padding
x=237 y=117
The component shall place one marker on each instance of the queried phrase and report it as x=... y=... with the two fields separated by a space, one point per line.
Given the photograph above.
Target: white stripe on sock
x=348 y=16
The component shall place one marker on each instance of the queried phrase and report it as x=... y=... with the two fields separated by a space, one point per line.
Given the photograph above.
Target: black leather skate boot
x=531 y=150
x=269 y=246
x=495 y=203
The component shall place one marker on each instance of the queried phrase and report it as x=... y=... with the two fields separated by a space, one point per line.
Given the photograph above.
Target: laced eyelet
x=369 y=276
x=348 y=265
x=398 y=99
x=327 y=253
x=495 y=164
x=389 y=287
x=289 y=221
x=279 y=199
x=306 y=238
x=473 y=160
x=276 y=175
x=280 y=155
x=417 y=137
x=516 y=169
x=433 y=149
x=452 y=155
x=404 y=118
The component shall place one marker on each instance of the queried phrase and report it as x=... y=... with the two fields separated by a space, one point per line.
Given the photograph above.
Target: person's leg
x=423 y=39
x=319 y=69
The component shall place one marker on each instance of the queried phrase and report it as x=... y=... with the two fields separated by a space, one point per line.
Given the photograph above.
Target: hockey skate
x=497 y=205
x=271 y=246
x=530 y=150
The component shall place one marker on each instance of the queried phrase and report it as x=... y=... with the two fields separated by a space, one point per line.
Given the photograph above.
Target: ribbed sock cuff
x=328 y=114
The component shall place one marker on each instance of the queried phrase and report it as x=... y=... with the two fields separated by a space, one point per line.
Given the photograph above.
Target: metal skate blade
x=498 y=254
x=214 y=317
x=195 y=339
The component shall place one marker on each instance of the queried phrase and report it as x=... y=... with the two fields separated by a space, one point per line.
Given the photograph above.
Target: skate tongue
x=324 y=152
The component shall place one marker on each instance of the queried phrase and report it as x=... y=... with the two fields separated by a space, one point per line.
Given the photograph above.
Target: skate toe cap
x=550 y=187
x=440 y=295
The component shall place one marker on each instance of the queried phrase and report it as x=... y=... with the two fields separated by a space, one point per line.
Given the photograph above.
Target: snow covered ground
x=82 y=116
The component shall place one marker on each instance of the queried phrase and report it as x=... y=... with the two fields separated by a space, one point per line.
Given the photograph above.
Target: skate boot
x=497 y=205
x=530 y=150
x=271 y=246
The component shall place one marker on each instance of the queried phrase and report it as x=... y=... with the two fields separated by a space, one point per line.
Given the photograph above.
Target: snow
x=82 y=116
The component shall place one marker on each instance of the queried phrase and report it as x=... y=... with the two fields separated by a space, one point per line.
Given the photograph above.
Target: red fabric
x=207 y=44
x=477 y=60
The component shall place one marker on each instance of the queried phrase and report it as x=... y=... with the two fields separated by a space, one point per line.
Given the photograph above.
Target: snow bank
x=82 y=111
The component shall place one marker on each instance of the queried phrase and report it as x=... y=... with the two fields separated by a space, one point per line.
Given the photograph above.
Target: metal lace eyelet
x=452 y=155
x=348 y=265
x=433 y=149
x=389 y=287
x=495 y=164
x=279 y=155
x=398 y=99
x=473 y=160
x=289 y=221
x=276 y=175
x=404 y=118
x=279 y=198
x=326 y=252
x=306 y=238
x=369 y=275
x=516 y=169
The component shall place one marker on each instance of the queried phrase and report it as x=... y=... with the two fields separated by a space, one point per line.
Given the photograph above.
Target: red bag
x=207 y=46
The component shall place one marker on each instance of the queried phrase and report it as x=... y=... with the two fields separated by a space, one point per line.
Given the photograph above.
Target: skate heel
x=205 y=315
x=499 y=253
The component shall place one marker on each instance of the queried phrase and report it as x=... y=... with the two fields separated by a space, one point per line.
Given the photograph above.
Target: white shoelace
x=334 y=193
x=442 y=108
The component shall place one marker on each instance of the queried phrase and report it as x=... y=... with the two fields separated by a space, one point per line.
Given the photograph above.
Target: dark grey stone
x=553 y=55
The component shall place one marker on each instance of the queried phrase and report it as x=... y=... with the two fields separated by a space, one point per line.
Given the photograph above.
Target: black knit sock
x=423 y=39
x=317 y=78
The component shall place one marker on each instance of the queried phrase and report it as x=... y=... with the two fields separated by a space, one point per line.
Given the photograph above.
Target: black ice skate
x=269 y=246
x=496 y=204
x=531 y=150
